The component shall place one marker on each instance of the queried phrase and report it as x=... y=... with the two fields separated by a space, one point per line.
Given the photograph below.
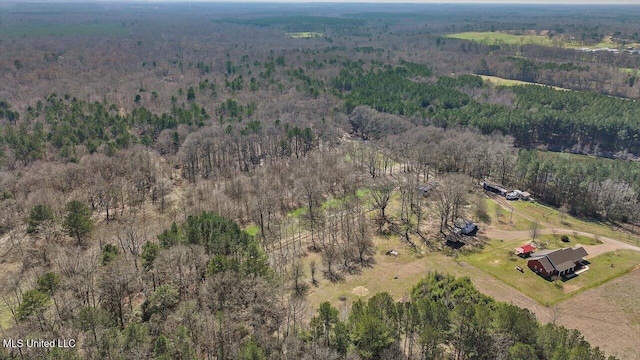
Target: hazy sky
x=602 y=2
x=593 y=2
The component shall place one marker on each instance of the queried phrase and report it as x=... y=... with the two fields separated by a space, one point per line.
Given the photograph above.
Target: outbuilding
x=525 y=250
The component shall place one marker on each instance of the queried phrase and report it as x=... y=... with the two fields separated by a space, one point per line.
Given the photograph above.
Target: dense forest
x=177 y=186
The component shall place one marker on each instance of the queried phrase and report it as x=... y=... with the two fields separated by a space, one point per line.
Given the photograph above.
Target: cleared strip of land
x=496 y=38
x=509 y=82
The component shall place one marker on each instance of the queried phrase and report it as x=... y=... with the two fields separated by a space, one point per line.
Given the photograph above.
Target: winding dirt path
x=608 y=244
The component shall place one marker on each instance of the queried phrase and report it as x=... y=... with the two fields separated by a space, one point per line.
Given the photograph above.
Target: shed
x=525 y=250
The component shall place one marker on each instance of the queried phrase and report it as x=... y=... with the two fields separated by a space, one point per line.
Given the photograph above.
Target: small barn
x=559 y=262
x=525 y=250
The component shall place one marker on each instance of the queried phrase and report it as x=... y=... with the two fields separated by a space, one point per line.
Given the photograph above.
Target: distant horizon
x=387 y=2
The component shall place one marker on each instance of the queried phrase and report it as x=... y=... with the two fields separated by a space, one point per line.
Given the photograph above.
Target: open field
x=501 y=262
x=492 y=272
x=304 y=35
x=608 y=316
x=410 y=268
x=495 y=38
x=552 y=217
x=509 y=82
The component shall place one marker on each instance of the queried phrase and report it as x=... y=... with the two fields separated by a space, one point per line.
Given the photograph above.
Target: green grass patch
x=252 y=230
x=509 y=82
x=495 y=38
x=66 y=30
x=498 y=259
x=361 y=193
x=331 y=203
x=549 y=215
x=551 y=241
x=304 y=35
x=504 y=220
x=297 y=213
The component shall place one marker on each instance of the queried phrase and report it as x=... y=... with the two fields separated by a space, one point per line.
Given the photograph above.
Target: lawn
x=499 y=261
x=495 y=38
x=407 y=266
x=550 y=241
x=549 y=215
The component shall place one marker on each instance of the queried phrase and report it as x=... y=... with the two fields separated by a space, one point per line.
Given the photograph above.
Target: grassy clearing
x=508 y=82
x=304 y=35
x=550 y=241
x=499 y=261
x=501 y=219
x=496 y=38
x=408 y=266
x=549 y=215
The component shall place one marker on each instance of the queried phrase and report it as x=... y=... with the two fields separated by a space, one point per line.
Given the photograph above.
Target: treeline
x=65 y=129
x=205 y=290
x=588 y=186
x=539 y=116
x=56 y=127
x=531 y=71
x=593 y=187
x=444 y=318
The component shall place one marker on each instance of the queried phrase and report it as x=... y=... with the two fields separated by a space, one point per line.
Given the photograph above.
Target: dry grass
x=509 y=82
x=608 y=316
x=6 y=319
x=496 y=38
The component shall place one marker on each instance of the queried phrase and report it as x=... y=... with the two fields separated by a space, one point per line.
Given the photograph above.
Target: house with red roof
x=525 y=250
